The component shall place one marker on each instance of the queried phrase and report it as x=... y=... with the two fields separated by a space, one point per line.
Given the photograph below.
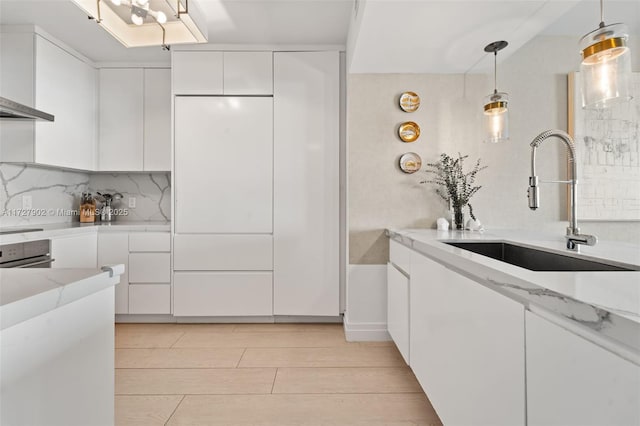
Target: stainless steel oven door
x=33 y=262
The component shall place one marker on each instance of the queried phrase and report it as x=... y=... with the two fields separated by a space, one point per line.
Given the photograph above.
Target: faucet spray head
x=533 y=193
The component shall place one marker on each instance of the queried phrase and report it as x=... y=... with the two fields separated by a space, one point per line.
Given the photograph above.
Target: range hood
x=11 y=110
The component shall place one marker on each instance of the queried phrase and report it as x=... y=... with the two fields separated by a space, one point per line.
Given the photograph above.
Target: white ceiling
x=390 y=35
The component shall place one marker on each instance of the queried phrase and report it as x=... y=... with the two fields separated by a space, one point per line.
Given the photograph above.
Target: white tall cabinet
x=256 y=183
x=306 y=182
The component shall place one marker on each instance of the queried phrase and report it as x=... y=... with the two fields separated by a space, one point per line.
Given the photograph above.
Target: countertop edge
x=615 y=329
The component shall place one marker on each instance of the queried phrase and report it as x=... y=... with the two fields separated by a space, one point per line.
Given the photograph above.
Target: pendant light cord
x=601 y=13
x=495 y=72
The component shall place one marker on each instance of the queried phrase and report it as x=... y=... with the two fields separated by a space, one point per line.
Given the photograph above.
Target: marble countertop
x=605 y=302
x=68 y=228
x=27 y=293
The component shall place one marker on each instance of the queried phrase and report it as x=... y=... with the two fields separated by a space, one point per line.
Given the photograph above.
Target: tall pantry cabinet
x=256 y=145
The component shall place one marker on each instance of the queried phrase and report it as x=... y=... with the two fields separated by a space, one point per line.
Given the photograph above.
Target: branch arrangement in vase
x=454 y=184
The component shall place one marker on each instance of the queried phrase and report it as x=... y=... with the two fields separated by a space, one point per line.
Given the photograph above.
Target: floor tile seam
x=240 y=347
x=275 y=376
x=390 y=367
x=240 y=359
x=269 y=393
x=178 y=339
x=198 y=368
x=335 y=367
x=174 y=410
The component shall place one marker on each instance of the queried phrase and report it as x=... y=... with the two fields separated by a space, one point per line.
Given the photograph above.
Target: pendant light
x=606 y=65
x=496 y=112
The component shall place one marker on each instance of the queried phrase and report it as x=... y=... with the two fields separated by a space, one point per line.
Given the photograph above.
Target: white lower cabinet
x=572 y=381
x=467 y=347
x=145 y=287
x=113 y=248
x=75 y=251
x=222 y=293
x=398 y=309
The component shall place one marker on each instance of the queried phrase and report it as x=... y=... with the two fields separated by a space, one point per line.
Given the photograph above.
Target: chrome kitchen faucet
x=573 y=236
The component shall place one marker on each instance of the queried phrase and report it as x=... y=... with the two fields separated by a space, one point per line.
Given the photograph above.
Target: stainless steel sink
x=536 y=259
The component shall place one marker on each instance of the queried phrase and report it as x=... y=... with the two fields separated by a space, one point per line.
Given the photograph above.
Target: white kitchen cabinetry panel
x=150 y=241
x=76 y=251
x=66 y=88
x=467 y=347
x=224 y=164
x=306 y=183
x=197 y=73
x=248 y=73
x=222 y=294
x=398 y=309
x=38 y=73
x=150 y=267
x=113 y=248
x=149 y=298
x=571 y=381
x=157 y=119
x=223 y=252
x=121 y=118
x=400 y=256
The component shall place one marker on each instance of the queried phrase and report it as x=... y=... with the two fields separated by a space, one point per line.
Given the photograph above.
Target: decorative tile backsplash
x=55 y=194
x=151 y=190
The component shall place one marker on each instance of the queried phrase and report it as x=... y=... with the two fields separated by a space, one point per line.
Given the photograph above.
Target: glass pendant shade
x=496 y=117
x=606 y=66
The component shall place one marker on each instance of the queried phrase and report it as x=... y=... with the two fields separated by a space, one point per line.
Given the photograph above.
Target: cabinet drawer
x=150 y=299
x=400 y=256
x=149 y=267
x=222 y=293
x=223 y=252
x=150 y=241
x=197 y=73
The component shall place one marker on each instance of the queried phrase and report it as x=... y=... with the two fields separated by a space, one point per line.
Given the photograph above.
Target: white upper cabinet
x=135 y=119
x=121 y=118
x=197 y=73
x=41 y=74
x=248 y=73
x=222 y=73
x=157 y=119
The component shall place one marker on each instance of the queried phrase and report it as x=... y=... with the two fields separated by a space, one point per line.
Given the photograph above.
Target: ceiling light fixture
x=496 y=112
x=606 y=65
x=137 y=23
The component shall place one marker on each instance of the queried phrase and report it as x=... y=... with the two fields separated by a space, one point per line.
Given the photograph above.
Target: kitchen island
x=495 y=343
x=57 y=346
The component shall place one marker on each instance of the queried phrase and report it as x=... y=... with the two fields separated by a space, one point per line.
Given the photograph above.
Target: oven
x=30 y=254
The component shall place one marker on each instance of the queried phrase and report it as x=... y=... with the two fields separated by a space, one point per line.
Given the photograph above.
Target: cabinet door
x=398 y=309
x=114 y=248
x=149 y=267
x=66 y=88
x=248 y=73
x=197 y=73
x=222 y=293
x=121 y=119
x=467 y=347
x=149 y=298
x=571 y=381
x=76 y=251
x=223 y=164
x=306 y=183
x=157 y=119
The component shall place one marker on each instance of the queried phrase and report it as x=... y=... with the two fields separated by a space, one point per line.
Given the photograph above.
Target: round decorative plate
x=409 y=101
x=410 y=162
x=409 y=131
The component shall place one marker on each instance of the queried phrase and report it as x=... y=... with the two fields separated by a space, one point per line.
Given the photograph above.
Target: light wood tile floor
x=261 y=374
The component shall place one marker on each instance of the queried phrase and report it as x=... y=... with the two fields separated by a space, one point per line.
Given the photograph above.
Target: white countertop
x=608 y=302
x=68 y=228
x=27 y=293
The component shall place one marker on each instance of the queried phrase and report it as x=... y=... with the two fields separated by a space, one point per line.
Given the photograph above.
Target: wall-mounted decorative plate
x=410 y=162
x=409 y=131
x=409 y=101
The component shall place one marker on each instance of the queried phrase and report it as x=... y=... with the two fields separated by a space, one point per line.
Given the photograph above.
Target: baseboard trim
x=365 y=332
x=133 y=318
